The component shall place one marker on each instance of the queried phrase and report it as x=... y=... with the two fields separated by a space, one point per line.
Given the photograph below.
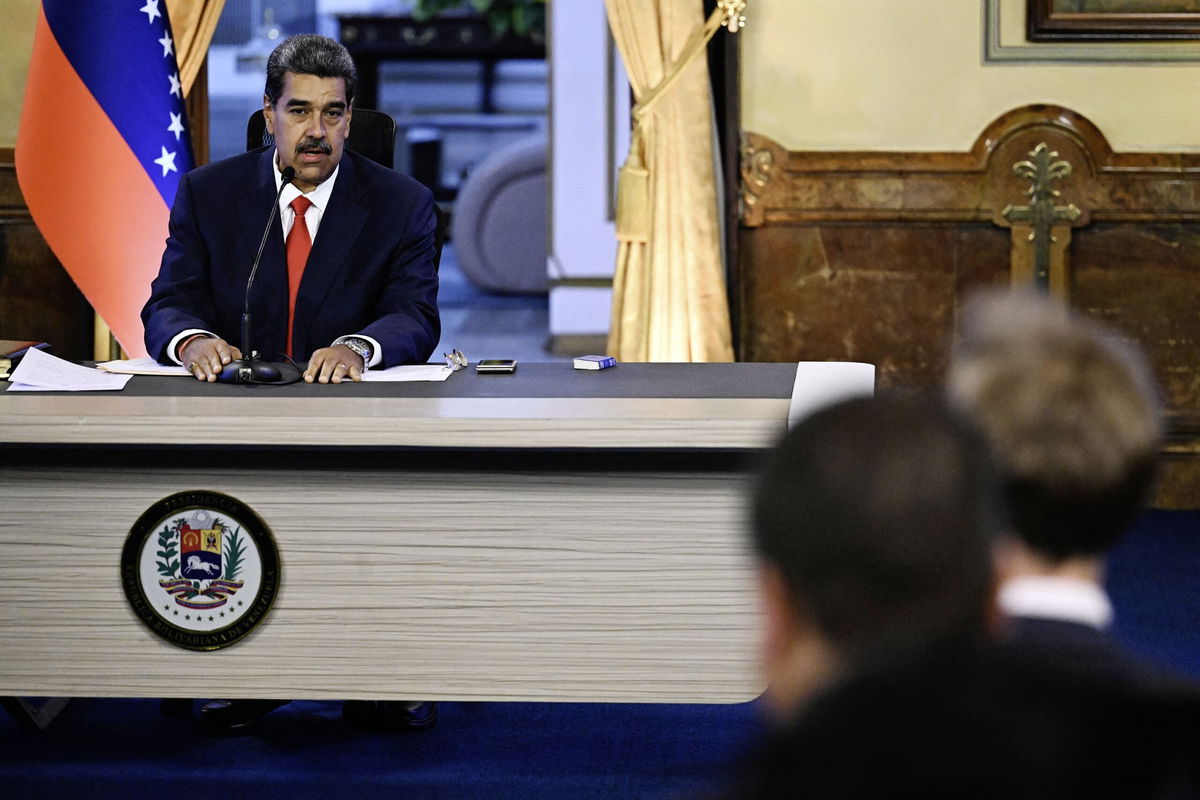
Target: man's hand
x=333 y=364
x=204 y=357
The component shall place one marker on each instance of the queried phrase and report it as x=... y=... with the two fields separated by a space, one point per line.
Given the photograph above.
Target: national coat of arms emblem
x=200 y=569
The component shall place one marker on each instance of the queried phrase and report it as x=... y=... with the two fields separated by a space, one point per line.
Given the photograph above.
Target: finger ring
x=192 y=367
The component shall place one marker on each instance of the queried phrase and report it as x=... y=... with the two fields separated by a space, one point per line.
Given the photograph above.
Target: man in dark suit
x=347 y=280
x=366 y=295
x=1073 y=415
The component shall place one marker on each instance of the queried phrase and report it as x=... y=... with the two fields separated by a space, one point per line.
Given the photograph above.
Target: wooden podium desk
x=548 y=535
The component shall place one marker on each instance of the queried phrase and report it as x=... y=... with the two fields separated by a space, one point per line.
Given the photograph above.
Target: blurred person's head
x=1072 y=414
x=873 y=521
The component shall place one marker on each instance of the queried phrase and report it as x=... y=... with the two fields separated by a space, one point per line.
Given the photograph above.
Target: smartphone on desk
x=496 y=366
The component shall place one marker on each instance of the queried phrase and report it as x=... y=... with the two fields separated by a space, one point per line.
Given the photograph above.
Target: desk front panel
x=406 y=581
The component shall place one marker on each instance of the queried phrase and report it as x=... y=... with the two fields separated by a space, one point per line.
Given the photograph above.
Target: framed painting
x=1112 y=20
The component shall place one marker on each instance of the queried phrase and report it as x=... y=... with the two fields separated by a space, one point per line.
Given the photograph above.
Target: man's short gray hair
x=309 y=54
x=1071 y=410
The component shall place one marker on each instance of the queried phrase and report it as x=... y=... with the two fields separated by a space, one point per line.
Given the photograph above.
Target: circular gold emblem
x=200 y=569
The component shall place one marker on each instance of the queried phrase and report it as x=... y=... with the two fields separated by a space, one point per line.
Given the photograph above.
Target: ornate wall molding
x=976 y=185
x=867 y=255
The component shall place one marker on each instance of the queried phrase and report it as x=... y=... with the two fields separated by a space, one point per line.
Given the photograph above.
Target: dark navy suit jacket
x=1090 y=654
x=372 y=268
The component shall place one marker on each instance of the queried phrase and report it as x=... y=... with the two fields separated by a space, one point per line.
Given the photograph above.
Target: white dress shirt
x=1067 y=599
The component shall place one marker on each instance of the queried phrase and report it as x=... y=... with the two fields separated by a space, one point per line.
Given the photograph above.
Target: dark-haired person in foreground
x=365 y=295
x=873 y=522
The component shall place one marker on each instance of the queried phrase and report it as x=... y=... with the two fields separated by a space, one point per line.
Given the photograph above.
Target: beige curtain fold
x=192 y=26
x=669 y=297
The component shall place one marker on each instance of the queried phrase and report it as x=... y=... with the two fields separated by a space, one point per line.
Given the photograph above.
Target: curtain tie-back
x=633 y=179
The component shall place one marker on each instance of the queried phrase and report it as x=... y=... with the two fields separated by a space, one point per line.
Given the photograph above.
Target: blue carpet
x=123 y=748
x=1154 y=581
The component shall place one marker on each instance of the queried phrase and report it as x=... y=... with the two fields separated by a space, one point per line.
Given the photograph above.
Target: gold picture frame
x=1005 y=41
x=1112 y=20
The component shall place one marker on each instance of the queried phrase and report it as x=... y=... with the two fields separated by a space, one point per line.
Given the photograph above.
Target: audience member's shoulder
x=1081 y=653
x=966 y=720
x=909 y=725
x=1117 y=726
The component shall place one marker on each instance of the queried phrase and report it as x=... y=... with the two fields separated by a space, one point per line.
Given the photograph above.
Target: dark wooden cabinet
x=373 y=40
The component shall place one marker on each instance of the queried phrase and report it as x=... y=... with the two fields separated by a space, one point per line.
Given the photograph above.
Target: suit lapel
x=268 y=296
x=340 y=226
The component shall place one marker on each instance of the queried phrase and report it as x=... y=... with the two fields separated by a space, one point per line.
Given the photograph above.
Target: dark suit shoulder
x=374 y=178
x=228 y=171
x=1081 y=652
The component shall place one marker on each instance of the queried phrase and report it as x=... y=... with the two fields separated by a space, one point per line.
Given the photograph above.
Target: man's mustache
x=314 y=144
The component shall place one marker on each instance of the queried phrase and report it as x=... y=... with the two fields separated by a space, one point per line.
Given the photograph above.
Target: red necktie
x=299 y=243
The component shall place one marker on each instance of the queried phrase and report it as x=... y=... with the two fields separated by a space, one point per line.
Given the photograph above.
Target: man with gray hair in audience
x=1073 y=416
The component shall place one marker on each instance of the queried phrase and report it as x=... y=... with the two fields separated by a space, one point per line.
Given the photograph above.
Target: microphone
x=250 y=368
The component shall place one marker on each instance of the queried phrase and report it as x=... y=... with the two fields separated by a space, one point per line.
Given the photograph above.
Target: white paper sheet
x=42 y=372
x=142 y=366
x=823 y=383
x=408 y=372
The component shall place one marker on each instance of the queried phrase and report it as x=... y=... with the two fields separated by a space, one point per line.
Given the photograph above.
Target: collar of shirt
x=1046 y=597
x=319 y=197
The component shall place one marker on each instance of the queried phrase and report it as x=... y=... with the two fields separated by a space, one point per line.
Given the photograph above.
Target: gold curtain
x=192 y=26
x=669 y=297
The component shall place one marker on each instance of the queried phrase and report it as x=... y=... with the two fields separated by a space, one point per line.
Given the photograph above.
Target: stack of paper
x=142 y=366
x=42 y=372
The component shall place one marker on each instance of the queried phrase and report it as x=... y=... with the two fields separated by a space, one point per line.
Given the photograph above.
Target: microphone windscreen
x=289 y=172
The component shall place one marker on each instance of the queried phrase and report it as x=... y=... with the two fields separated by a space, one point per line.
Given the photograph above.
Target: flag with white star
x=102 y=144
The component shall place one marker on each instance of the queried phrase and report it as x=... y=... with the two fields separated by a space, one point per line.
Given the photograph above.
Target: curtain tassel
x=633 y=194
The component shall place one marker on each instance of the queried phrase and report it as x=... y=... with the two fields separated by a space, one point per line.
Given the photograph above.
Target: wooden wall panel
x=854 y=292
x=38 y=300
x=867 y=256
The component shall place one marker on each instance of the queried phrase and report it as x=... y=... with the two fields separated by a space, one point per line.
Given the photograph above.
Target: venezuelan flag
x=102 y=143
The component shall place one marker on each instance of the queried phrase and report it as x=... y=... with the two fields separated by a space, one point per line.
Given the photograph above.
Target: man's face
x=310 y=123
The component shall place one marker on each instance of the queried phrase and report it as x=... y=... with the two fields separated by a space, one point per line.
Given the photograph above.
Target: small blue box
x=595 y=362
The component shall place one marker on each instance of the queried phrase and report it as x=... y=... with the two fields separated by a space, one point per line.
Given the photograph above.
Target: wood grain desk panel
x=496 y=574
x=395 y=422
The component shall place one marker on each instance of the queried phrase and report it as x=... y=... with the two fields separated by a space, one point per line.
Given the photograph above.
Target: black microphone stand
x=250 y=368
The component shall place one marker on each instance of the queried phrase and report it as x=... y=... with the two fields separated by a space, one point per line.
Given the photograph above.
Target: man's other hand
x=333 y=365
x=205 y=356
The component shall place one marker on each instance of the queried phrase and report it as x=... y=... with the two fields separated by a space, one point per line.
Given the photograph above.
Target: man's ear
x=797 y=659
x=781 y=622
x=269 y=114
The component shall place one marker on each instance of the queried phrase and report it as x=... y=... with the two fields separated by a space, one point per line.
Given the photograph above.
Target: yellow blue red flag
x=102 y=143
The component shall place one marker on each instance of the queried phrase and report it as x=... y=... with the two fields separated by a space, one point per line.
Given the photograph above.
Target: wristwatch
x=360 y=346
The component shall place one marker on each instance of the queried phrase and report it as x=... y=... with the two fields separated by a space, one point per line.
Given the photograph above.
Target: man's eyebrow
x=296 y=102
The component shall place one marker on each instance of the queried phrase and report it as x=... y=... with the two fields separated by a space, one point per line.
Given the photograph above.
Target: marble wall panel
x=868 y=256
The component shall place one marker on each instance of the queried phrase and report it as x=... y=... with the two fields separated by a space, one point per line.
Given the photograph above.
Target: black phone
x=496 y=366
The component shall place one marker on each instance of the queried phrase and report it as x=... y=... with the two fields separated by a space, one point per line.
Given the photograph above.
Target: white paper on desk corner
x=42 y=372
x=408 y=372
x=823 y=383
x=142 y=366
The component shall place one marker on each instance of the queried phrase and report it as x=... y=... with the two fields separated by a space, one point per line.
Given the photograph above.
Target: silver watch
x=360 y=346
